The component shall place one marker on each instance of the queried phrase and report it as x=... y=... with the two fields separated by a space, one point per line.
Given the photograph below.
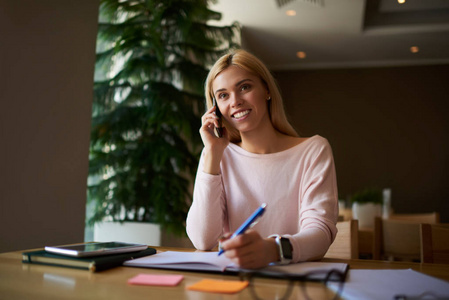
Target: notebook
x=93 y=263
x=211 y=262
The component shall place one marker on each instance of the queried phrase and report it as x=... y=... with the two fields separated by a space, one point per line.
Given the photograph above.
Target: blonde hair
x=250 y=63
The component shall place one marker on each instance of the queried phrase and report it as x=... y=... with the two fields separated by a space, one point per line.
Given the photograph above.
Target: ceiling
x=341 y=33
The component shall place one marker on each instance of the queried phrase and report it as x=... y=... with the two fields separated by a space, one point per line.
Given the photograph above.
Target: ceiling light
x=290 y=13
x=301 y=54
x=401 y=1
x=414 y=49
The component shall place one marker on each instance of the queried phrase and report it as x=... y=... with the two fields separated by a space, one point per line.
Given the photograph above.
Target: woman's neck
x=259 y=143
x=267 y=140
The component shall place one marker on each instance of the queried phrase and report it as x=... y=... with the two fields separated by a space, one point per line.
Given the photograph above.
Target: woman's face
x=242 y=99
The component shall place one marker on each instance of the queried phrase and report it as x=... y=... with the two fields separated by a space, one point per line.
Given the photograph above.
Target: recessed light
x=290 y=13
x=301 y=54
x=401 y=1
x=414 y=49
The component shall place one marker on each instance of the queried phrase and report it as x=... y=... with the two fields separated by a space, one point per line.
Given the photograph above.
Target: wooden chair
x=345 y=214
x=396 y=240
x=435 y=243
x=430 y=218
x=345 y=245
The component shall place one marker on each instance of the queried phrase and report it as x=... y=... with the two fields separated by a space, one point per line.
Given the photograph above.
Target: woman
x=260 y=159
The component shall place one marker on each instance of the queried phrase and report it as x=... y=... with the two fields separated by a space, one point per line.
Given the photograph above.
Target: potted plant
x=152 y=60
x=366 y=205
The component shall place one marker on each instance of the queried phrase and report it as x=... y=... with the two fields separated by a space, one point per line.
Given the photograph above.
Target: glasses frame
x=324 y=277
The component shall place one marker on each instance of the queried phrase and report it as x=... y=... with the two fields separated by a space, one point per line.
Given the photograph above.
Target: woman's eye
x=244 y=87
x=221 y=96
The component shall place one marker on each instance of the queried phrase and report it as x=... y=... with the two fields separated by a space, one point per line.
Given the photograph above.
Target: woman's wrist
x=273 y=250
x=284 y=249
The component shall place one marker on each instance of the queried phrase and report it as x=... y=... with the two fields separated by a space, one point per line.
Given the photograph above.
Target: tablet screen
x=90 y=249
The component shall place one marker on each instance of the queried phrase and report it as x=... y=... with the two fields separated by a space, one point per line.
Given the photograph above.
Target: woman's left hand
x=250 y=250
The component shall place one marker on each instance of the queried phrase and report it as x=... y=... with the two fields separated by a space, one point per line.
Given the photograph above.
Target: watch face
x=286 y=248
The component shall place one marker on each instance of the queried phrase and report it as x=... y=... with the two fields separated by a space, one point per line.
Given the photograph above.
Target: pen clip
x=254 y=222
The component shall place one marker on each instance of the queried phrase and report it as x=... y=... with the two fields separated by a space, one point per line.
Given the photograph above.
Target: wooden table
x=28 y=281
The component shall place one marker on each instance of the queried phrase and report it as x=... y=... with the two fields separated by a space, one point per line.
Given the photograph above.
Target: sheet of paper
x=159 y=280
x=189 y=260
x=386 y=284
x=218 y=286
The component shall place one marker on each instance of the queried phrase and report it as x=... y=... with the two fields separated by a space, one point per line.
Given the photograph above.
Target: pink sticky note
x=152 y=279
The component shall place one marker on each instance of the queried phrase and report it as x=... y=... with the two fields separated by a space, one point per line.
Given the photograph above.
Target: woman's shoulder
x=313 y=141
x=318 y=139
x=311 y=147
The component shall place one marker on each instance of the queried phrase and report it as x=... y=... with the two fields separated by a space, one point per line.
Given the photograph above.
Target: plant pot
x=365 y=213
x=128 y=232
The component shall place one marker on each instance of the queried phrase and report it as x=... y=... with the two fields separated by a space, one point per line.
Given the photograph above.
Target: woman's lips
x=241 y=114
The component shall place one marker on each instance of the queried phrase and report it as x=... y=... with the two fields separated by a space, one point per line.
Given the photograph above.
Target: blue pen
x=250 y=222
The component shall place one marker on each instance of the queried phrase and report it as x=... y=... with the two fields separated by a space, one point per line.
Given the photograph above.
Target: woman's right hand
x=214 y=146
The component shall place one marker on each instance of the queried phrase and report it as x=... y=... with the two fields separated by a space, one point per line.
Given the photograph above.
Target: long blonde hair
x=250 y=63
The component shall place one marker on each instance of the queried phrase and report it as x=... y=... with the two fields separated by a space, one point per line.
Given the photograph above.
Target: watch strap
x=285 y=249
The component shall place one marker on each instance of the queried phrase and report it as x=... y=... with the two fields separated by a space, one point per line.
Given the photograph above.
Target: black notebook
x=92 y=263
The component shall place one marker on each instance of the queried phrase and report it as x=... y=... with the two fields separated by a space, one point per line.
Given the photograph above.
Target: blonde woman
x=260 y=159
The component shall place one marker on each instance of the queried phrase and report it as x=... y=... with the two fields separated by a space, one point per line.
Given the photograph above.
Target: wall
x=47 y=57
x=388 y=127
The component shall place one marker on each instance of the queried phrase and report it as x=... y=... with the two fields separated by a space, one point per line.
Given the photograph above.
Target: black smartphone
x=219 y=129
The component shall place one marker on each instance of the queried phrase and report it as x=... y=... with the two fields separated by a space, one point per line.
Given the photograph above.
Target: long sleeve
x=318 y=207
x=206 y=217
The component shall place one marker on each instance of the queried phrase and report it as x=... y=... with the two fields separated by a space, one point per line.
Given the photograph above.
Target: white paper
x=386 y=284
x=207 y=261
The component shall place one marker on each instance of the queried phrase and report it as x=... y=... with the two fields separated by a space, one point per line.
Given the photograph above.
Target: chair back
x=396 y=240
x=430 y=218
x=435 y=243
x=345 y=245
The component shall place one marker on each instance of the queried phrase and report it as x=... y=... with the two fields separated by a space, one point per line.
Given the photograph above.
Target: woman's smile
x=241 y=114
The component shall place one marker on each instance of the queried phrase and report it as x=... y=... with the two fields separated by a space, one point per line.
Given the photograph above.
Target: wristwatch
x=285 y=249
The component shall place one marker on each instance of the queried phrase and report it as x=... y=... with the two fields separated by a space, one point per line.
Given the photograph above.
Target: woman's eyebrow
x=242 y=81
x=219 y=90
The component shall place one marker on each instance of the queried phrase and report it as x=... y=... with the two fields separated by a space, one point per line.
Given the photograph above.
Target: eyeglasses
x=313 y=285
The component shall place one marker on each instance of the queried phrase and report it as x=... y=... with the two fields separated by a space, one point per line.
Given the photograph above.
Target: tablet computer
x=95 y=249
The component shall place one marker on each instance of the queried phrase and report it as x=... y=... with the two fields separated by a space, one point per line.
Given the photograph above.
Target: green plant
x=152 y=60
x=369 y=195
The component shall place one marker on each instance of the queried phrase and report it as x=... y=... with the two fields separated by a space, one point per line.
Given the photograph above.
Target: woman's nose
x=236 y=101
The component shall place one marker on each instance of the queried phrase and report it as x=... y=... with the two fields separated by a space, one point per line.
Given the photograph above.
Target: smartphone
x=95 y=249
x=219 y=129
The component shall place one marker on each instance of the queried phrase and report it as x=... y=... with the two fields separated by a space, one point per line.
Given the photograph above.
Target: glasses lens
x=319 y=290
x=265 y=288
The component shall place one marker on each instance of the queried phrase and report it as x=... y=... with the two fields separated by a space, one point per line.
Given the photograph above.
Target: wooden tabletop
x=29 y=281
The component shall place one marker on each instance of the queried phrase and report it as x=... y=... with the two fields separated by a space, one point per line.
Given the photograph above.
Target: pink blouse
x=298 y=184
